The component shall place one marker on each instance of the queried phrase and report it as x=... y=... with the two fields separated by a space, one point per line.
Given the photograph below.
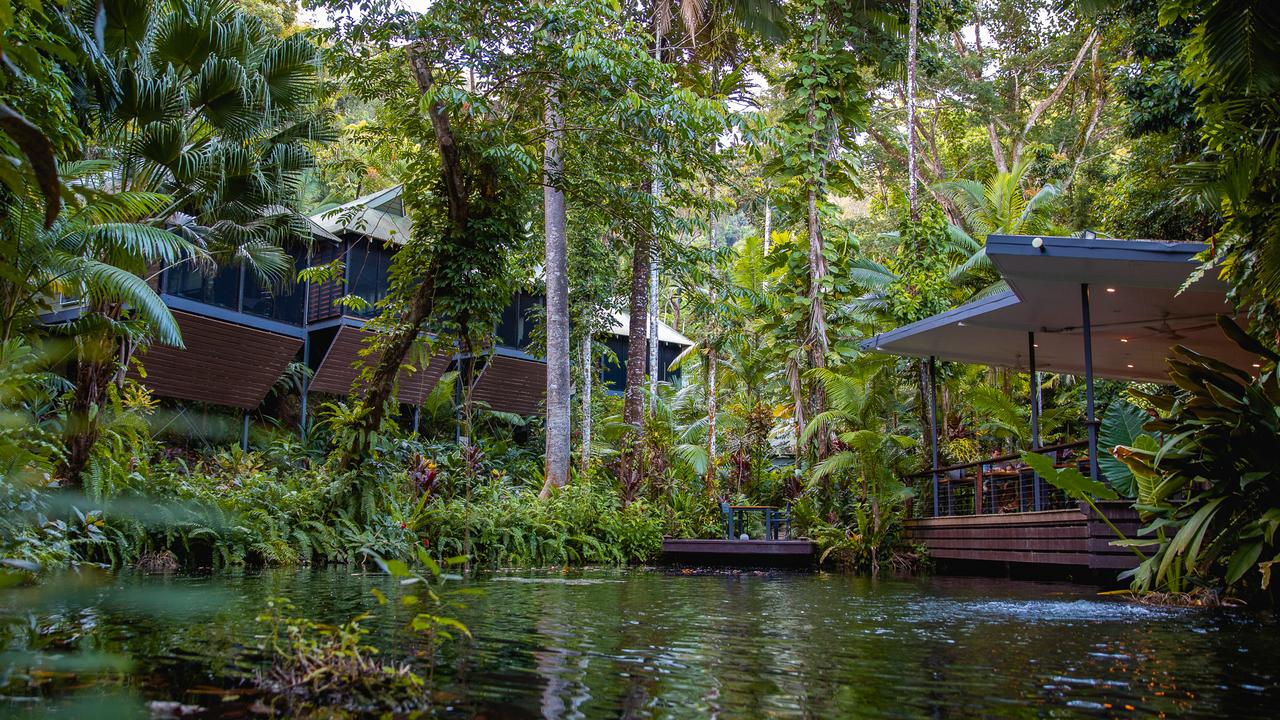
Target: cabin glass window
x=368 y=264
x=283 y=301
x=221 y=289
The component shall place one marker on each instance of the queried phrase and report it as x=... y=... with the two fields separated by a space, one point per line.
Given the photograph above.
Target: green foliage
x=1218 y=448
x=1230 y=58
x=1121 y=427
x=578 y=525
x=1068 y=479
x=921 y=286
x=318 y=665
x=1000 y=207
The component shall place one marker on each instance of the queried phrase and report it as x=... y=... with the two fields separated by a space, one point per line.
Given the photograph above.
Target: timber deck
x=738 y=552
x=1072 y=538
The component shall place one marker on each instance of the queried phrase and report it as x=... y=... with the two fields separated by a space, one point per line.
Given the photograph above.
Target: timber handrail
x=998 y=459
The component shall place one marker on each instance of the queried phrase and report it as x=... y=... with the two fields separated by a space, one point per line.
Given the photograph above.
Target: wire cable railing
x=999 y=484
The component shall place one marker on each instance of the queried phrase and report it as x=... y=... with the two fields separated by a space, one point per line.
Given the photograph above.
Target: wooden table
x=741 y=510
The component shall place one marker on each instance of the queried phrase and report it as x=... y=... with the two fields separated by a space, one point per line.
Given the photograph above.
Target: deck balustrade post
x=306 y=350
x=244 y=433
x=977 y=492
x=1035 y=416
x=1090 y=418
x=933 y=426
x=306 y=381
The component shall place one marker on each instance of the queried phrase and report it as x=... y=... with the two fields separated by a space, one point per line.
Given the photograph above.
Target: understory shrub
x=579 y=525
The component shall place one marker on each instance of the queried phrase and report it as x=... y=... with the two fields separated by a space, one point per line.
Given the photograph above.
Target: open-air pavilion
x=1084 y=306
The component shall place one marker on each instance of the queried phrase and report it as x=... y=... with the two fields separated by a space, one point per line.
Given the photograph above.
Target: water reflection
x=649 y=644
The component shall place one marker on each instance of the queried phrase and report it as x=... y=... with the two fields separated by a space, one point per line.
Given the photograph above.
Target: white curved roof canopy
x=1137 y=310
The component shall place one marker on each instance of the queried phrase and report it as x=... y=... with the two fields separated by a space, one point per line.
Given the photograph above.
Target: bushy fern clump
x=504 y=526
x=286 y=505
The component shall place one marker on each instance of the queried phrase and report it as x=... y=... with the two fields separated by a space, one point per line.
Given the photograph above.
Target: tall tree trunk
x=816 y=343
x=816 y=333
x=768 y=222
x=633 y=399
x=712 y=474
x=912 y=199
x=379 y=391
x=712 y=361
x=558 y=439
x=654 y=271
x=653 y=311
x=588 y=379
x=95 y=366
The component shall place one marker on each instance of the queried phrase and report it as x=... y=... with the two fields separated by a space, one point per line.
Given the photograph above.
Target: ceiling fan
x=1164 y=329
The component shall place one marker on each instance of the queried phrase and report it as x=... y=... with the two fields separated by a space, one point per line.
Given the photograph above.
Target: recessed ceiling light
x=1111 y=289
x=1124 y=339
x=1128 y=365
x=1035 y=344
x=961 y=324
x=1257 y=365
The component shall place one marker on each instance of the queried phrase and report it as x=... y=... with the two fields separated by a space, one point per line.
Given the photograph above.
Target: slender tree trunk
x=796 y=385
x=712 y=475
x=654 y=275
x=633 y=399
x=588 y=379
x=712 y=361
x=95 y=367
x=816 y=333
x=396 y=347
x=768 y=222
x=912 y=199
x=558 y=431
x=816 y=344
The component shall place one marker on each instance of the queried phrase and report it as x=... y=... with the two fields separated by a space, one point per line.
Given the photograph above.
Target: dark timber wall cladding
x=223 y=363
x=324 y=294
x=339 y=369
x=513 y=385
x=1055 y=537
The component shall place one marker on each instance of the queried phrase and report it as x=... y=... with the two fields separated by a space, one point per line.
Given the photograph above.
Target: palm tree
x=201 y=102
x=95 y=251
x=860 y=398
x=999 y=206
x=201 y=106
x=101 y=250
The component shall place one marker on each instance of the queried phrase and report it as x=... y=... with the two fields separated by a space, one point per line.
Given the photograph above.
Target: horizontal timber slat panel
x=1047 y=517
x=737 y=547
x=223 y=363
x=512 y=385
x=1027 y=544
x=996 y=533
x=1056 y=537
x=341 y=366
x=1038 y=558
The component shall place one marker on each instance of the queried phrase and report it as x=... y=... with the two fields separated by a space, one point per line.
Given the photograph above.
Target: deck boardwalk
x=738 y=552
x=1076 y=537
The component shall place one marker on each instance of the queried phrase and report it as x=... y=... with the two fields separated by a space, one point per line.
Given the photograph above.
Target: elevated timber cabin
x=240 y=335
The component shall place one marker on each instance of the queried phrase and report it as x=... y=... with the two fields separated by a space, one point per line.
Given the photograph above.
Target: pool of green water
x=609 y=644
